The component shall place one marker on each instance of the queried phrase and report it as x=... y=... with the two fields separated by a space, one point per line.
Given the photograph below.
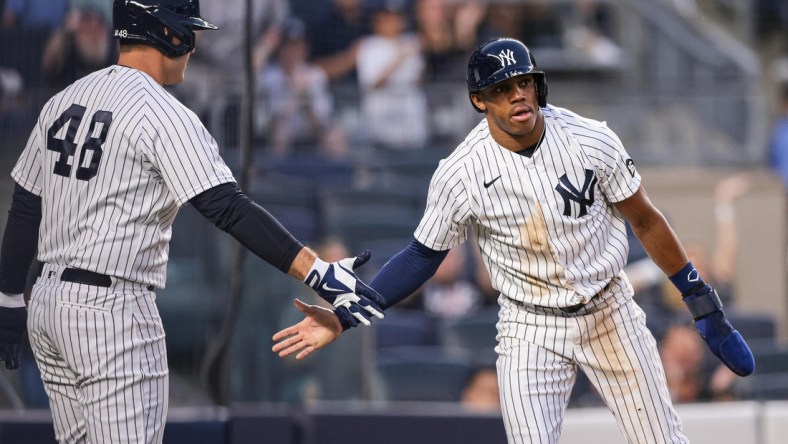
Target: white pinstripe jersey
x=546 y=228
x=113 y=156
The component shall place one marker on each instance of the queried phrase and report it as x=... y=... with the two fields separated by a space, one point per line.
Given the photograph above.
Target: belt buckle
x=574 y=308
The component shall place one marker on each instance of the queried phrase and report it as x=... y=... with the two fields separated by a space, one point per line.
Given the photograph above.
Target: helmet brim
x=198 y=23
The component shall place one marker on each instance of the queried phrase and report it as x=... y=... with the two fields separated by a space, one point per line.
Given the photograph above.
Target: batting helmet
x=158 y=22
x=500 y=59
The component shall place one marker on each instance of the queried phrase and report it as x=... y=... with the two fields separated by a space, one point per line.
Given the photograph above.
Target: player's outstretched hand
x=336 y=282
x=13 y=323
x=319 y=328
x=724 y=341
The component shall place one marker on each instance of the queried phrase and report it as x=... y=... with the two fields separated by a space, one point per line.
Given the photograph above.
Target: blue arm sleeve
x=406 y=272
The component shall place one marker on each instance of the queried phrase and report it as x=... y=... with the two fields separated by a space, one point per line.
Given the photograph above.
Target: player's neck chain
x=528 y=152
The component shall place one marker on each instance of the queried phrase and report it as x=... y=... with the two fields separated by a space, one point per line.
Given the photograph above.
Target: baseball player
x=108 y=164
x=546 y=193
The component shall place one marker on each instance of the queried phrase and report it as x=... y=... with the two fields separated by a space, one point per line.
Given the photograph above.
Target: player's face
x=513 y=111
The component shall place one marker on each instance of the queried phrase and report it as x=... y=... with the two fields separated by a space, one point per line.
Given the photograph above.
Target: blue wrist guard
x=723 y=340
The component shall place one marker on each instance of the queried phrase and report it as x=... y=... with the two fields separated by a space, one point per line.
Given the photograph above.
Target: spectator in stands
x=720 y=265
x=657 y=297
x=13 y=109
x=480 y=394
x=691 y=373
x=102 y=6
x=334 y=34
x=82 y=46
x=222 y=54
x=25 y=29
x=296 y=101
x=45 y=15
x=682 y=353
x=588 y=33
x=391 y=74
x=536 y=23
x=778 y=143
x=448 y=32
x=689 y=379
x=214 y=85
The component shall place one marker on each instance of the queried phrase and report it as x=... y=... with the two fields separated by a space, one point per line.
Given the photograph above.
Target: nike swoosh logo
x=333 y=290
x=488 y=184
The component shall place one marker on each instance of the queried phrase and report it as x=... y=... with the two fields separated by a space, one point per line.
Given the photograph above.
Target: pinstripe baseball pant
x=102 y=358
x=538 y=354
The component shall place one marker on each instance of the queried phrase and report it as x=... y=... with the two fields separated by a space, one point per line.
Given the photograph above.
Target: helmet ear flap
x=470 y=96
x=541 y=91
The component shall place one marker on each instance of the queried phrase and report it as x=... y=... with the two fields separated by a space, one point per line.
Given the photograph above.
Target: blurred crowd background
x=352 y=105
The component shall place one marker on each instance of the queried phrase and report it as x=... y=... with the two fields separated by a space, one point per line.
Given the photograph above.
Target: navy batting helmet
x=158 y=22
x=500 y=59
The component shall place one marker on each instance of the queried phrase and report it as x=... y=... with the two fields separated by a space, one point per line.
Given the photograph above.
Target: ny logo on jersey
x=506 y=57
x=583 y=197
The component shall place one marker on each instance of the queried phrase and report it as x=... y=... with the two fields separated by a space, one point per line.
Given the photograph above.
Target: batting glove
x=354 y=301
x=724 y=341
x=13 y=323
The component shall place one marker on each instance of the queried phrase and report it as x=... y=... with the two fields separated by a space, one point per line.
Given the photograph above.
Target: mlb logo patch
x=631 y=167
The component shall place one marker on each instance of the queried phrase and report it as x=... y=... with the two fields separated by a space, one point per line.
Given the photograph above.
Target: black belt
x=86 y=277
x=569 y=310
x=576 y=307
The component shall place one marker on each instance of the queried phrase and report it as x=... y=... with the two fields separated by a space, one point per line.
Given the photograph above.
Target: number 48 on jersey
x=67 y=146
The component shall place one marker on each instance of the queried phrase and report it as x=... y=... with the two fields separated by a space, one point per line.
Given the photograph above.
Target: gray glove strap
x=704 y=304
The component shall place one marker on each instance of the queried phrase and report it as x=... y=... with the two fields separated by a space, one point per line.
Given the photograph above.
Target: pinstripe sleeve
x=619 y=179
x=184 y=153
x=445 y=219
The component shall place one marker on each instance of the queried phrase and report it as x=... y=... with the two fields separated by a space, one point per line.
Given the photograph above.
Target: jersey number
x=67 y=147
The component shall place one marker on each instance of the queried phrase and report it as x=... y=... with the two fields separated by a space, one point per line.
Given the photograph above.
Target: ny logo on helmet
x=506 y=57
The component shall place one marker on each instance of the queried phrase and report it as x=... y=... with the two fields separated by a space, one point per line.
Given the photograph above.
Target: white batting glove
x=337 y=283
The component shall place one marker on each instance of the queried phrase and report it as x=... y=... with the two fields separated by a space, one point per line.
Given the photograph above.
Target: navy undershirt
x=406 y=272
x=231 y=210
x=529 y=152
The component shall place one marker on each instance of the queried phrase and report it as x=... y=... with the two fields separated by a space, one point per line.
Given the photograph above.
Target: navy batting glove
x=337 y=283
x=724 y=341
x=13 y=323
x=349 y=319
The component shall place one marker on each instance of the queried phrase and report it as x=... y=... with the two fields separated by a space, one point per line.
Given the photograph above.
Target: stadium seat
x=770 y=358
x=338 y=205
x=293 y=201
x=423 y=373
x=405 y=328
x=762 y=387
x=476 y=331
x=358 y=231
x=753 y=326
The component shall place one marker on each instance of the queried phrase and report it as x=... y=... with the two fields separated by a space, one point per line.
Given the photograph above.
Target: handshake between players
x=354 y=303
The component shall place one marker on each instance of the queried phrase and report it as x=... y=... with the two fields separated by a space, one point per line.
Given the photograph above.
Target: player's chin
x=520 y=128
